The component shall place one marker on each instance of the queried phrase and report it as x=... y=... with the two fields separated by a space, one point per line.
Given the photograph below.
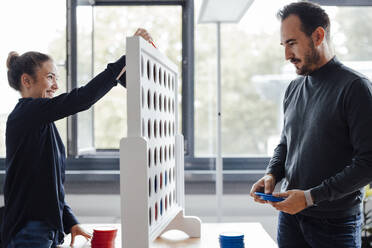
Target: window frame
x=108 y=159
x=187 y=59
x=191 y=162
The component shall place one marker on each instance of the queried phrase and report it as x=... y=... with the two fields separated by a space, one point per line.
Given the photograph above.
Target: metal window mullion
x=188 y=76
x=219 y=161
x=71 y=56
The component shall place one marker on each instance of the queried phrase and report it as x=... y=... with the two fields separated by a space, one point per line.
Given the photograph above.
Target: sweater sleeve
x=69 y=219
x=358 y=113
x=277 y=162
x=51 y=109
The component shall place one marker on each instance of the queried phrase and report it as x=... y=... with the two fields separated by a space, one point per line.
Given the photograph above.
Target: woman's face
x=44 y=84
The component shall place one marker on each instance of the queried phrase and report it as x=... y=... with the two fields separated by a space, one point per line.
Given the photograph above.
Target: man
x=325 y=153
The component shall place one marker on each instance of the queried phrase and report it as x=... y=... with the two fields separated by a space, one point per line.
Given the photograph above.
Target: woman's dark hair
x=311 y=15
x=26 y=63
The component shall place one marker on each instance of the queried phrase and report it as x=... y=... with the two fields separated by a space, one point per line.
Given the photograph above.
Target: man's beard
x=310 y=59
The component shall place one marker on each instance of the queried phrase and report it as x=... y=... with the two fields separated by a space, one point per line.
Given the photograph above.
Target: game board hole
x=149 y=129
x=165 y=178
x=165 y=154
x=156 y=211
x=168 y=85
x=161 y=155
x=156 y=184
x=169 y=105
x=160 y=77
x=148 y=69
x=155 y=71
x=161 y=206
x=161 y=181
x=150 y=217
x=165 y=128
x=156 y=156
x=155 y=128
x=160 y=129
x=169 y=152
x=148 y=98
x=155 y=101
x=165 y=104
x=165 y=78
x=160 y=102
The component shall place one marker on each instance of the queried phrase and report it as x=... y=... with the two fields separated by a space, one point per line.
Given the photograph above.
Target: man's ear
x=26 y=80
x=318 y=36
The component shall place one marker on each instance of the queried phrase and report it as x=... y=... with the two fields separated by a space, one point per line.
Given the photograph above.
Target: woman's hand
x=77 y=230
x=144 y=34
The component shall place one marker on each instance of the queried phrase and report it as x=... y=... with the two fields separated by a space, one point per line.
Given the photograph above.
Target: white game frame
x=152 y=156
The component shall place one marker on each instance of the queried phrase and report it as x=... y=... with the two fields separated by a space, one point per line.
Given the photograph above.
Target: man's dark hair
x=311 y=16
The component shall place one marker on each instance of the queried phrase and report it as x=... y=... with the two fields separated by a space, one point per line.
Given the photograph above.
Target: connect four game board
x=151 y=157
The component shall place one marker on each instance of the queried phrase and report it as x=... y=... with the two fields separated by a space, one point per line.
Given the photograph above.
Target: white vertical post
x=219 y=162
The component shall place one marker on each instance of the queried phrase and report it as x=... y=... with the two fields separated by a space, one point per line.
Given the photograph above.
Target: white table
x=254 y=236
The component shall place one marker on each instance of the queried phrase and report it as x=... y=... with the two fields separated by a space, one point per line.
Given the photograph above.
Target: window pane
x=112 y=26
x=85 y=139
x=255 y=75
x=351 y=36
x=37 y=25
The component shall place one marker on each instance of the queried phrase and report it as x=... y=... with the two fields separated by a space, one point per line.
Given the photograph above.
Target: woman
x=36 y=214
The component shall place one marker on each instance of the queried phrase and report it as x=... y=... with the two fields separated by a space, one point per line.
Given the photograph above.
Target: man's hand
x=266 y=184
x=77 y=230
x=144 y=34
x=295 y=201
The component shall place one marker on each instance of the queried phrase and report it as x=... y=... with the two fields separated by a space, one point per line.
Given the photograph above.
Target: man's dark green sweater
x=326 y=142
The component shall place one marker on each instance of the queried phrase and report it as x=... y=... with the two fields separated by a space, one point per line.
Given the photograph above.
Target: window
x=255 y=76
x=111 y=26
x=25 y=26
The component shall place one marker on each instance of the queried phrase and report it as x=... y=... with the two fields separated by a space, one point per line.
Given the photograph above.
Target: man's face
x=299 y=48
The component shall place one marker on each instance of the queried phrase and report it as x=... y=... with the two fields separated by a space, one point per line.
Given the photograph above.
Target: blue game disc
x=222 y=245
x=232 y=235
x=240 y=245
x=269 y=197
x=231 y=240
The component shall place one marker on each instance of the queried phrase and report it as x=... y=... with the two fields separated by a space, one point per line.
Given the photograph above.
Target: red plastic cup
x=104 y=237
